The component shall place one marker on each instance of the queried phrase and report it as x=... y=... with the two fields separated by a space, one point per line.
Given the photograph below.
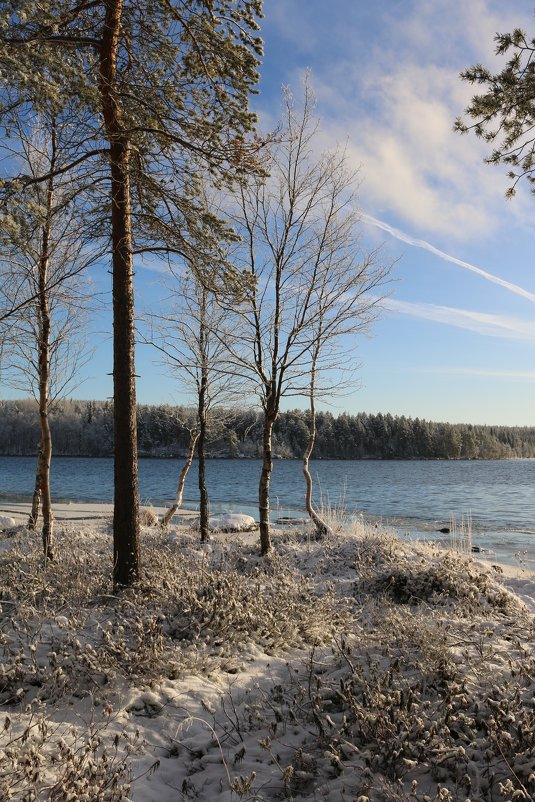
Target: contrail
x=420 y=243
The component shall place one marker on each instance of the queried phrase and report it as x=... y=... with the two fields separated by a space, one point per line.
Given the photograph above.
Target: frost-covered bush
x=447 y=579
x=262 y=601
x=147 y=516
x=377 y=548
x=398 y=714
x=424 y=702
x=192 y=610
x=424 y=727
x=44 y=762
x=413 y=680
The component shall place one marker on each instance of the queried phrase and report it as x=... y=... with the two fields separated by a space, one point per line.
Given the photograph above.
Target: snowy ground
x=354 y=668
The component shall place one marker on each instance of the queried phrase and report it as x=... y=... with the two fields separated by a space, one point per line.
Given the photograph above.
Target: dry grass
x=148 y=516
x=413 y=681
x=188 y=611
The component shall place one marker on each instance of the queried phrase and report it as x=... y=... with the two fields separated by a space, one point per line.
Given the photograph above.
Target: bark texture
x=204 y=507
x=36 y=498
x=45 y=449
x=126 y=501
x=270 y=417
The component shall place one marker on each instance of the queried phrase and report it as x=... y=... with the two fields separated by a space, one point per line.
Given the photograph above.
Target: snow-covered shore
x=75 y=511
x=357 y=667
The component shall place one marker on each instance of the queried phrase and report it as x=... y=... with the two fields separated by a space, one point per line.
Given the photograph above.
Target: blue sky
x=457 y=342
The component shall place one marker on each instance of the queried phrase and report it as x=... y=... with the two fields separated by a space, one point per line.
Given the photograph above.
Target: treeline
x=85 y=428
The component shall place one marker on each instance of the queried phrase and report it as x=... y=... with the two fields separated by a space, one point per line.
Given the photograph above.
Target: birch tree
x=186 y=336
x=44 y=258
x=299 y=243
x=161 y=86
x=347 y=298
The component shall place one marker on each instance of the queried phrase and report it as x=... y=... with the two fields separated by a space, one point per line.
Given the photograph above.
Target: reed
x=461 y=535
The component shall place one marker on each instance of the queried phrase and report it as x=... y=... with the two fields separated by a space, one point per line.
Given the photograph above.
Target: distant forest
x=85 y=428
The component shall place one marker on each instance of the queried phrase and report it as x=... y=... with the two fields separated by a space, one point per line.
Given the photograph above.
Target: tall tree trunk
x=126 y=557
x=321 y=527
x=42 y=479
x=263 y=488
x=181 y=481
x=46 y=440
x=45 y=451
x=204 y=507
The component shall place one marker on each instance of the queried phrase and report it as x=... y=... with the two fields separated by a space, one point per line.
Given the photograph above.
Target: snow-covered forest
x=85 y=428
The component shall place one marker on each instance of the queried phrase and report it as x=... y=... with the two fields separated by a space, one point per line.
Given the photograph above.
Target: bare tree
x=300 y=244
x=346 y=300
x=42 y=260
x=186 y=336
x=193 y=429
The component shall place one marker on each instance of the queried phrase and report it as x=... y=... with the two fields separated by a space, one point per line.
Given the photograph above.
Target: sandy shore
x=79 y=511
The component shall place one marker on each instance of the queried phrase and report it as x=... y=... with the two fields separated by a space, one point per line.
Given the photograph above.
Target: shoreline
x=280 y=458
x=418 y=497
x=81 y=512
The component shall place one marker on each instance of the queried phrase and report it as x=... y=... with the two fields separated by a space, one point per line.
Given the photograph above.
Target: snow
x=232 y=522
x=355 y=667
x=6 y=522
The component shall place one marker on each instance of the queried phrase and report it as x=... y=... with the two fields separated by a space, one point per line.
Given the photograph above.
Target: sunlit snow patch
x=232 y=522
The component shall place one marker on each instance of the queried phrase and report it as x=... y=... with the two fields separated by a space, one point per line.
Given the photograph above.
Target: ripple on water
x=415 y=496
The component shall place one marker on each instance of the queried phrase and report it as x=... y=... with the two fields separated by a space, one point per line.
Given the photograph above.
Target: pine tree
x=160 y=87
x=504 y=112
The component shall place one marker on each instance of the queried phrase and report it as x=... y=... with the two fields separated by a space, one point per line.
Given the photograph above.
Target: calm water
x=415 y=496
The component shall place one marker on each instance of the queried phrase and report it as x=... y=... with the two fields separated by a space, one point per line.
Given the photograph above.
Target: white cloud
x=395 y=98
x=483 y=323
x=522 y=375
x=414 y=164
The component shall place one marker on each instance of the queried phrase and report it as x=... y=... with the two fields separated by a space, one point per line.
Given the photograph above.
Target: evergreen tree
x=159 y=87
x=504 y=113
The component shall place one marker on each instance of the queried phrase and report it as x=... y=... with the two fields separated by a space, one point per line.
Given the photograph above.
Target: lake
x=415 y=496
